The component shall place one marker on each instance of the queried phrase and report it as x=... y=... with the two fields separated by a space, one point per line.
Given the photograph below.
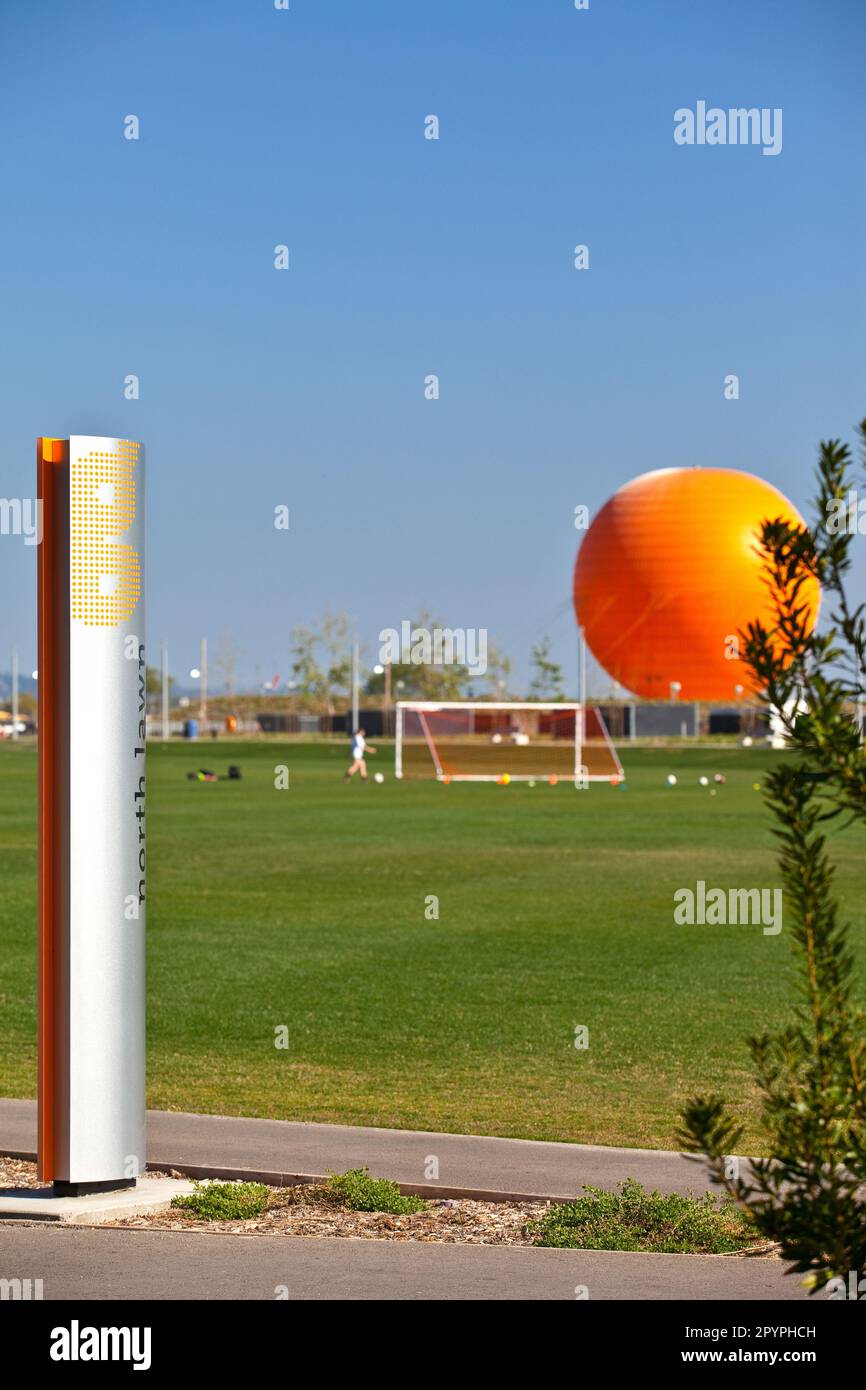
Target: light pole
x=385 y=670
x=581 y=683
x=195 y=675
x=202 y=704
x=165 y=729
x=14 y=692
x=355 y=682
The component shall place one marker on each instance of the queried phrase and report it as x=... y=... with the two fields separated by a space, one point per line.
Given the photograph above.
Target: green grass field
x=306 y=908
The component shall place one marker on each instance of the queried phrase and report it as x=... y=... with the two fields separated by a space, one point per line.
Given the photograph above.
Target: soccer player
x=360 y=749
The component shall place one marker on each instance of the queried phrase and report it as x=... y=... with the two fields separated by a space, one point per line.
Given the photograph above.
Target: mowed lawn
x=305 y=909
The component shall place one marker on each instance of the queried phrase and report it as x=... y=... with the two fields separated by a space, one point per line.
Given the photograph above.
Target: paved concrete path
x=100 y=1264
x=522 y=1167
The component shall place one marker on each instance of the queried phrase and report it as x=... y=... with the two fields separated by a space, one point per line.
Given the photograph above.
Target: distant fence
x=371 y=720
x=675 y=719
x=624 y=720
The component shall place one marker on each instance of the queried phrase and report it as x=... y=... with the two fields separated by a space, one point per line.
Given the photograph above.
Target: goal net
x=484 y=742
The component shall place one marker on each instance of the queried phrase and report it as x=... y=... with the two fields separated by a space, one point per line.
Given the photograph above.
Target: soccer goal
x=465 y=741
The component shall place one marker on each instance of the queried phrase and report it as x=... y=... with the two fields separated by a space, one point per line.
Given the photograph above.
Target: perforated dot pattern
x=105 y=572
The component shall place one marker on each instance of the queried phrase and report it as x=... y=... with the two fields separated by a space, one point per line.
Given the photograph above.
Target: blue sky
x=410 y=257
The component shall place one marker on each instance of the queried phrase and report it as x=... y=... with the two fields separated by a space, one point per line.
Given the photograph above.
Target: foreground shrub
x=359 y=1192
x=224 y=1201
x=808 y=1195
x=634 y=1219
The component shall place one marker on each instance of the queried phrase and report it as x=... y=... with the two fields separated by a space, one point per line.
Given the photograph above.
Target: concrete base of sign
x=40 y=1204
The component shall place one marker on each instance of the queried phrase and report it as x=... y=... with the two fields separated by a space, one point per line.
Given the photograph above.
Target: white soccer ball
x=497 y=738
x=747 y=742
x=379 y=777
x=672 y=781
x=704 y=781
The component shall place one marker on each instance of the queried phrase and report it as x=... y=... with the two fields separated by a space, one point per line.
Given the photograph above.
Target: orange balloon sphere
x=670 y=572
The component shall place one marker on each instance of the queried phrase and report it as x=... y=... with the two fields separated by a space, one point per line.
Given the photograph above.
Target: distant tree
x=497 y=677
x=309 y=678
x=413 y=682
x=153 y=686
x=547 y=679
x=27 y=705
x=425 y=680
x=322 y=660
x=336 y=639
x=153 y=681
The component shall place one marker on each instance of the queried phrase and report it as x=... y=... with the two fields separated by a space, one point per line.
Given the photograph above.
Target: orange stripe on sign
x=52 y=467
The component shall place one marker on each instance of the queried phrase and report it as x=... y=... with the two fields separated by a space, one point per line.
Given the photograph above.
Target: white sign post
x=92 y=827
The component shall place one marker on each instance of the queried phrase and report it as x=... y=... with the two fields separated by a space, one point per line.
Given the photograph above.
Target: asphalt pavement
x=102 y=1264
x=445 y=1163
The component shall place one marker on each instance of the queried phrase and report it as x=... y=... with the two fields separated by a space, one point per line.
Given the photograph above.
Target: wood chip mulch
x=306 y=1211
x=18 y=1172
x=309 y=1210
